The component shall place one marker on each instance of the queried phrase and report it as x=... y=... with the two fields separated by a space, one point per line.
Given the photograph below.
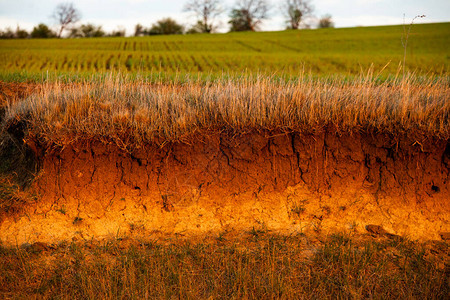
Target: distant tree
x=296 y=11
x=240 y=20
x=86 y=30
x=197 y=28
x=90 y=30
x=65 y=14
x=206 y=11
x=248 y=15
x=75 y=32
x=119 y=32
x=166 y=26
x=21 y=33
x=42 y=31
x=326 y=22
x=7 y=34
x=139 y=30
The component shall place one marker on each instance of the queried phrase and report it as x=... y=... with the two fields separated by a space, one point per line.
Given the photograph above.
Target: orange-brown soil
x=282 y=182
x=10 y=92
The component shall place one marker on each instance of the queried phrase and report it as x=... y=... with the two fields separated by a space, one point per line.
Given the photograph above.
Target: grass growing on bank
x=132 y=113
x=256 y=266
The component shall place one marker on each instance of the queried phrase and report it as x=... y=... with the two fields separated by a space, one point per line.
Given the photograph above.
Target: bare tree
x=65 y=14
x=206 y=11
x=296 y=11
x=248 y=14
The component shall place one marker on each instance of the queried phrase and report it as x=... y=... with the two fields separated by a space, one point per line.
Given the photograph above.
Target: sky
x=125 y=14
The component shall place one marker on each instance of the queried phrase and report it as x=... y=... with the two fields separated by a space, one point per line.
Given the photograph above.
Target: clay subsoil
x=287 y=183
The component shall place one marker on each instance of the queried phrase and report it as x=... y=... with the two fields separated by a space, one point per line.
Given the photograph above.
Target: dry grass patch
x=256 y=266
x=134 y=113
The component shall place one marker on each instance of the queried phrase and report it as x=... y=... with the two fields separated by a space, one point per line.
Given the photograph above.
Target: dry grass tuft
x=134 y=113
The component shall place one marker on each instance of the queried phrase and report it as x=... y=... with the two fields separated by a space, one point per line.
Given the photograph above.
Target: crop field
x=347 y=51
x=271 y=165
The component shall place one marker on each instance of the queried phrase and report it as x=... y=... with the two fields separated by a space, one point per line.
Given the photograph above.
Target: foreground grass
x=258 y=266
x=132 y=113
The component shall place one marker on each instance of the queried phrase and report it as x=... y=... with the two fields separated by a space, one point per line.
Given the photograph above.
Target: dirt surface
x=279 y=182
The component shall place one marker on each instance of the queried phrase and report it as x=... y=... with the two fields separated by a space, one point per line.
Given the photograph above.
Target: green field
x=346 y=51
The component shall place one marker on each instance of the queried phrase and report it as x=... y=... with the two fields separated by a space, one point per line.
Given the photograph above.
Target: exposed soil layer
x=10 y=92
x=286 y=183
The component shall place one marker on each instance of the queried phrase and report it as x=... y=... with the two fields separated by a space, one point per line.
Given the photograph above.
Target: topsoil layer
x=259 y=181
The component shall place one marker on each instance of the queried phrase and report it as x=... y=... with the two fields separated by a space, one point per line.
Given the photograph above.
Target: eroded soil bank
x=280 y=182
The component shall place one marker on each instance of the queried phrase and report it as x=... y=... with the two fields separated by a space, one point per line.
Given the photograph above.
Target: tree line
x=245 y=15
